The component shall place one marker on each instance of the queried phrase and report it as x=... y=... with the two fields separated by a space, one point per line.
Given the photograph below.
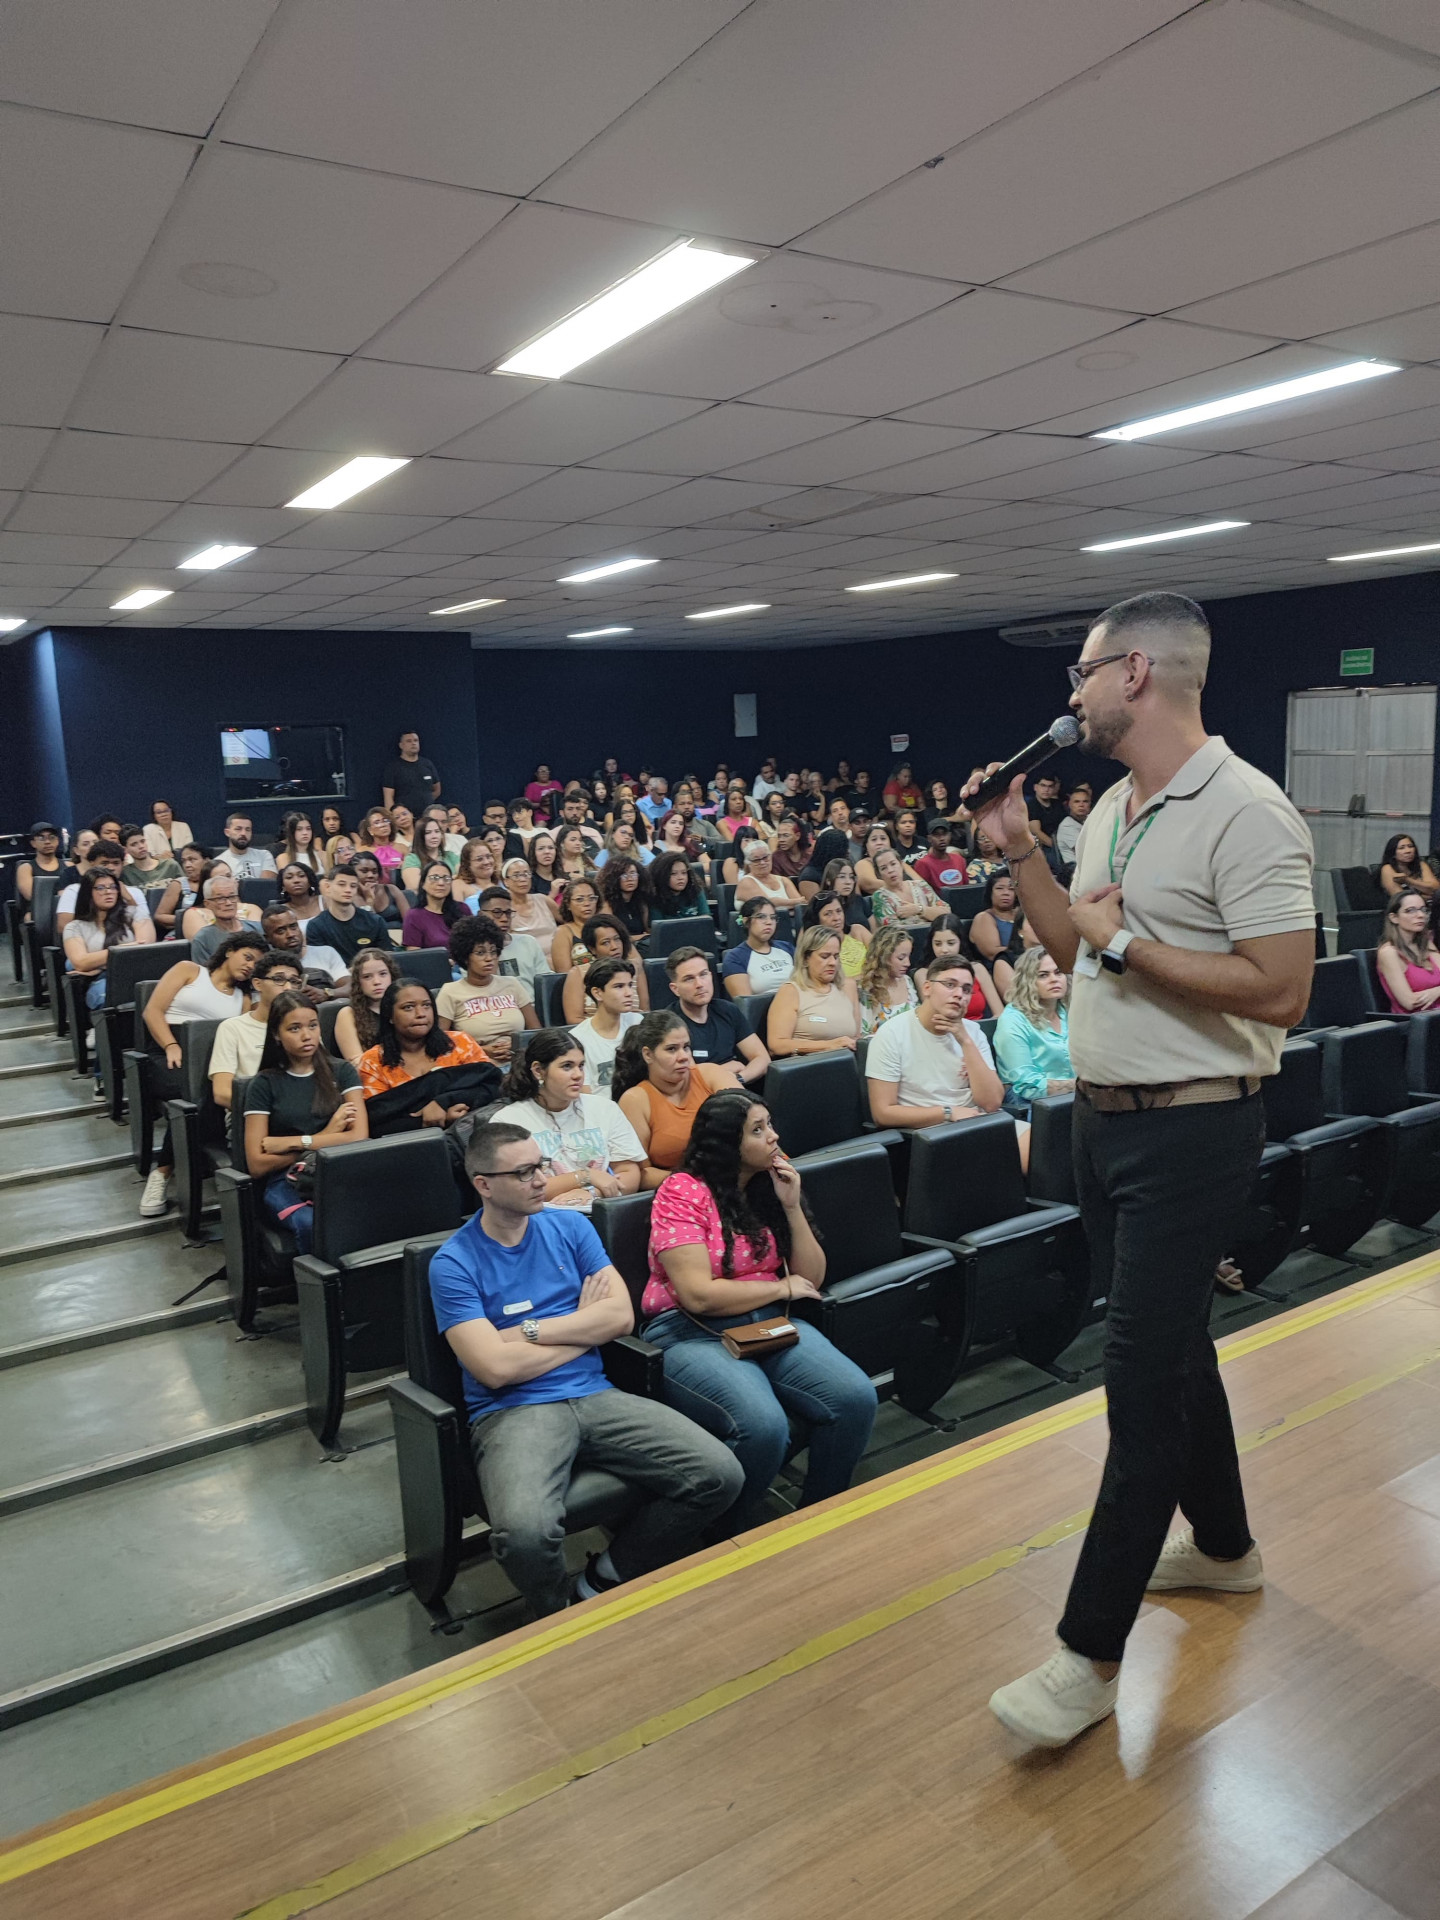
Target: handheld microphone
x=1063 y=732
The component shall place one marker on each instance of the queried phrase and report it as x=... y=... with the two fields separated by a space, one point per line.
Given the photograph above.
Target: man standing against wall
x=411 y=780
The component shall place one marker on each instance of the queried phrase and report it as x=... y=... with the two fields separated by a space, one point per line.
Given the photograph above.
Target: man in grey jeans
x=526 y=1297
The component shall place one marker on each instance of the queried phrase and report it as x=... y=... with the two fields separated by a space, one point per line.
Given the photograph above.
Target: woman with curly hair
x=625 y=891
x=885 y=985
x=577 y=901
x=357 y=1026
x=731 y=1243
x=478 y=869
x=676 y=891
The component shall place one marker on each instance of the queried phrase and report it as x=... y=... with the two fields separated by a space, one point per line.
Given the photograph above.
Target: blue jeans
x=748 y=1404
x=288 y=1210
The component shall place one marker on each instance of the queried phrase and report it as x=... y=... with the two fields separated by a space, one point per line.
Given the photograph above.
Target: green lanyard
x=1115 y=840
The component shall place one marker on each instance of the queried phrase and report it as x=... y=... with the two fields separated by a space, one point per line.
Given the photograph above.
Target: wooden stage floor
x=795 y=1725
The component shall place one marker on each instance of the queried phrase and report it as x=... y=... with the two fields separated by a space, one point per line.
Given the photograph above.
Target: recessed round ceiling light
x=1108 y=360
x=227 y=280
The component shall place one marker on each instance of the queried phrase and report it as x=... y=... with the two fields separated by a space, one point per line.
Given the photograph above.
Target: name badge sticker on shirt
x=519 y=1306
x=1087 y=961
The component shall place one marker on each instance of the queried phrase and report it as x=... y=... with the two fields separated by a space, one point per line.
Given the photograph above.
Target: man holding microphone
x=1190 y=932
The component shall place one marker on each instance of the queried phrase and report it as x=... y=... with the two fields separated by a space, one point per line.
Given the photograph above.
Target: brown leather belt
x=1172 y=1093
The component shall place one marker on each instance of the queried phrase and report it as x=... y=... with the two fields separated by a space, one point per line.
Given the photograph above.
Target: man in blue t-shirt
x=525 y=1297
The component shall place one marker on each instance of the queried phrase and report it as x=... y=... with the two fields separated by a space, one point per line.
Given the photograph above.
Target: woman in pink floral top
x=731 y=1242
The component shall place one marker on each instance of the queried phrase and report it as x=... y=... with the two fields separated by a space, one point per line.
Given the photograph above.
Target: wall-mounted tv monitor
x=282 y=763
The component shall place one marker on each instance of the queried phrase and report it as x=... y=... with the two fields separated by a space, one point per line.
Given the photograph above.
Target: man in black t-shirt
x=341 y=924
x=411 y=781
x=1047 y=809
x=718 y=1034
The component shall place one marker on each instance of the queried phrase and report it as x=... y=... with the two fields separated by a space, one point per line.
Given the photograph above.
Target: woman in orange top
x=412 y=1043
x=660 y=1089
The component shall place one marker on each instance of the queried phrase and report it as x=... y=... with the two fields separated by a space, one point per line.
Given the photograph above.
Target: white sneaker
x=1181 y=1564
x=156 y=1199
x=1051 y=1705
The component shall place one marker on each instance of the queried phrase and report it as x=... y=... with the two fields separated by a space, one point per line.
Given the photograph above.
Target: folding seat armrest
x=183 y=1117
x=634 y=1366
x=135 y=1077
x=429 y=1437
x=417 y=1404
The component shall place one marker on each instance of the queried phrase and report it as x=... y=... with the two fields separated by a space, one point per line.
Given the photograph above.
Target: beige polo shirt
x=1218 y=855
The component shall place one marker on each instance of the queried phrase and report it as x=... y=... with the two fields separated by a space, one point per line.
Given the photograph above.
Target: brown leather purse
x=760 y=1339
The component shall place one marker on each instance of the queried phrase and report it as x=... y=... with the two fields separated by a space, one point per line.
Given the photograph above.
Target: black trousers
x=1159 y=1192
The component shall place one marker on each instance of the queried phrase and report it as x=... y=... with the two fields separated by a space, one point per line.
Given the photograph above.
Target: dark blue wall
x=141 y=709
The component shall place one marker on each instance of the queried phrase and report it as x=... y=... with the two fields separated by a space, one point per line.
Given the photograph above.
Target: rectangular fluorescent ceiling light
x=10 y=622
x=465 y=606
x=1344 y=376
x=603 y=573
x=683 y=272
x=596 y=633
x=1175 y=533
x=209 y=558
x=724 y=613
x=346 y=482
x=905 y=580
x=1384 y=553
x=142 y=597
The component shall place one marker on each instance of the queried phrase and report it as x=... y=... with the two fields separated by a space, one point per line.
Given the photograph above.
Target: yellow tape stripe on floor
x=581 y=1623
x=415 y=1845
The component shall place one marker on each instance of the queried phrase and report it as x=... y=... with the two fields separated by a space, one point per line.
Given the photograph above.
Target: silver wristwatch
x=949 y=1113
x=531 y=1331
x=305 y=1140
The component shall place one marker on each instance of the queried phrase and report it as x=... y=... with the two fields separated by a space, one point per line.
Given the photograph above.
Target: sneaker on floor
x=1051 y=1705
x=99 y=1093
x=1181 y=1564
x=155 y=1199
x=590 y=1584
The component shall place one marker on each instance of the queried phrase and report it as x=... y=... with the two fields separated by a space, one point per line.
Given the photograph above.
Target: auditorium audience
x=477 y=870
x=403 y=821
x=587 y=1145
x=101 y=856
x=878 y=839
x=165 y=835
x=602 y=937
x=298 y=845
x=182 y=893
x=885 y=987
x=817 y=1010
x=947 y=941
x=736 y=812
x=577 y=901
x=410 y=779
x=731 y=1243
x=1032 y=1035
x=429 y=924
x=827 y=910
x=330 y=822
x=910 y=843
x=901 y=791
x=326 y=976
x=410 y=1045
x=759 y=881
x=987 y=859
x=719 y=1035
x=103 y=918
x=376 y=836
x=931 y=1065
x=522 y=956
x=240 y=1040
x=902 y=898
x=300 y=890
x=661 y=1087
x=940 y=866
x=357 y=1026
x=538 y=791
x=998 y=932
x=487 y=1005
x=1077 y=807
x=610 y=989
x=533 y=913
x=1407 y=958
x=1402 y=866
x=343 y=924
x=545 y=874
x=760 y=962
x=573 y=854
x=245 y=860
x=141 y=868
x=300 y=1102
x=1046 y=809
x=429 y=844
x=378 y=893
x=44 y=861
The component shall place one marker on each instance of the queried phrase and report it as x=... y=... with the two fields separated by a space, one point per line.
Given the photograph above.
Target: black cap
x=42 y=826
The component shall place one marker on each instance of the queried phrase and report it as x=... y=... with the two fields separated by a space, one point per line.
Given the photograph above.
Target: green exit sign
x=1355 y=662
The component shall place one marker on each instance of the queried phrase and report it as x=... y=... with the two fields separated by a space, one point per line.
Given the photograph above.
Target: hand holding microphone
x=997 y=801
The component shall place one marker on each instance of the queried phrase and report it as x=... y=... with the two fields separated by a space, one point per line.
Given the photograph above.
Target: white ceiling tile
x=785 y=313
x=858 y=449
x=21 y=449
x=201 y=525
x=42 y=363
x=886 y=517
x=359 y=529
x=433 y=487
x=1297 y=430
x=1207 y=98
x=1408 y=336
x=746 y=139
x=1136 y=467
x=1403 y=428
x=966 y=466
x=563 y=425
x=343 y=251
x=721 y=437
x=266 y=477
x=1413 y=21
x=699 y=500
x=577 y=493
x=375 y=406
x=82 y=204
x=1377 y=180
x=1406 y=459
x=84 y=513
x=150 y=63
x=974 y=336
x=130 y=466
x=1098 y=373
x=393 y=566
x=469 y=534
x=493 y=97
x=163 y=383
x=1388 y=277
x=16 y=576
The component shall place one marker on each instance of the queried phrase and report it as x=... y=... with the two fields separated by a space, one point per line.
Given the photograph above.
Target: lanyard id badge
x=1087 y=960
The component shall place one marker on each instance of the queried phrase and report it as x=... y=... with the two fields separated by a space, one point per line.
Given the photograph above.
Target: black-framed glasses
x=537 y=1169
x=1079 y=675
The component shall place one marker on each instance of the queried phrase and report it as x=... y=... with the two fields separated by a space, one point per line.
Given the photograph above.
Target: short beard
x=1100 y=738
